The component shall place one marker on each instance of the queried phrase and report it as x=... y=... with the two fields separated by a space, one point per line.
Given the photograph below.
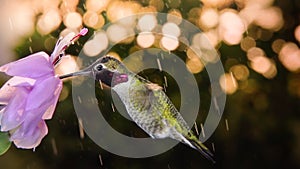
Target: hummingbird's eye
x=99 y=67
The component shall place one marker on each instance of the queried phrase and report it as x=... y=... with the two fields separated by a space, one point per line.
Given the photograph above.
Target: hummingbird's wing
x=153 y=110
x=143 y=112
x=178 y=128
x=165 y=107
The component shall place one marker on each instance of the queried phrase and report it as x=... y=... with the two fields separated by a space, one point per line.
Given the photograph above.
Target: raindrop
x=81 y=131
x=166 y=81
x=10 y=24
x=159 y=65
x=202 y=130
x=30 y=49
x=216 y=105
x=226 y=123
x=54 y=147
x=100 y=159
x=213 y=147
x=79 y=99
x=196 y=128
x=113 y=107
x=101 y=85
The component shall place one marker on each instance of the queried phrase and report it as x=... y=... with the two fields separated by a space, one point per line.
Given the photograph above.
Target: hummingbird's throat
x=111 y=78
x=119 y=78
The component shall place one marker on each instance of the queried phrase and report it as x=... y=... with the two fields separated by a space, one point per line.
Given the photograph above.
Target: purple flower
x=30 y=96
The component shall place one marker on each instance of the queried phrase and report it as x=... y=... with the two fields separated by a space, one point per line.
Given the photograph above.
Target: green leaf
x=4 y=142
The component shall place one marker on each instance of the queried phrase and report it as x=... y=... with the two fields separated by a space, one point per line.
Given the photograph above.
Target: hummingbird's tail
x=196 y=144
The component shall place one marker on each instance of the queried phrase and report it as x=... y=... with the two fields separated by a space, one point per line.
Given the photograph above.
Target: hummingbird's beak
x=79 y=73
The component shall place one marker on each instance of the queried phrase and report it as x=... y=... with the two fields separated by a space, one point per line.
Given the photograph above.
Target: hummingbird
x=145 y=102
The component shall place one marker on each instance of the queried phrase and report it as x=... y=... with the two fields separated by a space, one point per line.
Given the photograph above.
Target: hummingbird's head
x=110 y=71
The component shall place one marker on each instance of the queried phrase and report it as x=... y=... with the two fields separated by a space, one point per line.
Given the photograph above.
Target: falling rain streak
x=166 y=81
x=10 y=24
x=216 y=105
x=233 y=80
x=94 y=100
x=79 y=99
x=213 y=147
x=80 y=126
x=226 y=124
x=159 y=65
x=30 y=49
x=165 y=88
x=196 y=128
x=100 y=159
x=113 y=107
x=54 y=147
x=101 y=85
x=202 y=130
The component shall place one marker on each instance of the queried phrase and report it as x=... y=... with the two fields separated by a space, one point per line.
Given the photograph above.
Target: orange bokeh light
x=297 y=33
x=290 y=56
x=270 y=18
x=231 y=27
x=145 y=39
x=228 y=83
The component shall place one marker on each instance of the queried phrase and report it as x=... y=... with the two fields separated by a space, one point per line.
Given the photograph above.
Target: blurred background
x=258 y=43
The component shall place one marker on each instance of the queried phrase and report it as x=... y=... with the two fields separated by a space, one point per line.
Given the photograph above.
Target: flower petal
x=1 y=114
x=6 y=92
x=49 y=112
x=21 y=81
x=13 y=114
x=61 y=45
x=29 y=139
x=32 y=66
x=30 y=133
x=8 y=89
x=44 y=92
